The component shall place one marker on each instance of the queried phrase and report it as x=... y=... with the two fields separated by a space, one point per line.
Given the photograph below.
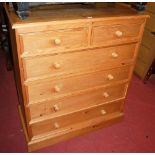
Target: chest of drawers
x=73 y=68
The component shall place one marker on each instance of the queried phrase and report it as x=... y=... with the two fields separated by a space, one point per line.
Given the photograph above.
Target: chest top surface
x=71 y=12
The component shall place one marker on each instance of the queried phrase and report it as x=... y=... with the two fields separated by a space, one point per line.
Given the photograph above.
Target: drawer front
x=59 y=123
x=58 y=40
x=103 y=58
x=57 y=88
x=115 y=34
x=74 y=103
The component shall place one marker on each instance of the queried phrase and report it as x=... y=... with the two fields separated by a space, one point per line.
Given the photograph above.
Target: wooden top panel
x=60 y=13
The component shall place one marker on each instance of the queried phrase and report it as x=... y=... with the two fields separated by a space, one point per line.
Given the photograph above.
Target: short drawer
x=59 y=123
x=56 y=40
x=96 y=59
x=77 y=102
x=116 y=33
x=42 y=90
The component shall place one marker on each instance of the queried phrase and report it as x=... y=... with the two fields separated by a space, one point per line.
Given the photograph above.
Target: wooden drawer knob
x=56 y=125
x=103 y=112
x=56 y=65
x=110 y=77
x=56 y=107
x=119 y=33
x=114 y=55
x=57 y=89
x=105 y=94
x=57 y=41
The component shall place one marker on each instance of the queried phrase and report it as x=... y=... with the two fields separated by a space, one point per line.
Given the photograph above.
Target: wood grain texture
x=76 y=102
x=71 y=63
x=18 y=72
x=63 y=87
x=115 y=34
x=48 y=16
x=77 y=130
x=48 y=125
x=68 y=39
x=23 y=123
x=74 y=67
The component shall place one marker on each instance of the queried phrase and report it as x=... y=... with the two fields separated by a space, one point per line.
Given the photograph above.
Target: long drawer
x=42 y=90
x=56 y=40
x=74 y=103
x=101 y=58
x=77 y=117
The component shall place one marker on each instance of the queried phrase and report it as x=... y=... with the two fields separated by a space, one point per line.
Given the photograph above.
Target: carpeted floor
x=135 y=134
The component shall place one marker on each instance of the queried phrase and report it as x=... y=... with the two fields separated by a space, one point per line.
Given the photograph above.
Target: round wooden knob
x=103 y=112
x=110 y=77
x=114 y=55
x=56 y=65
x=56 y=107
x=105 y=94
x=57 y=89
x=56 y=125
x=119 y=33
x=57 y=41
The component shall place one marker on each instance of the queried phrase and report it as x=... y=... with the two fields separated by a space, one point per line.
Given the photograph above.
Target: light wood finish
x=48 y=125
x=73 y=65
x=49 y=89
x=76 y=130
x=115 y=34
x=51 y=15
x=56 y=40
x=23 y=123
x=62 y=106
x=70 y=63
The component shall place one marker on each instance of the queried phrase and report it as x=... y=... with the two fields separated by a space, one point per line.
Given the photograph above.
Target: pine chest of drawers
x=73 y=65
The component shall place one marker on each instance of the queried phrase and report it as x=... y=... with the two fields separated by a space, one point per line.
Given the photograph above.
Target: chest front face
x=75 y=74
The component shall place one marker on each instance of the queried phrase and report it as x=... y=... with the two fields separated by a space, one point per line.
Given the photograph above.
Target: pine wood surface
x=62 y=13
x=61 y=106
x=73 y=66
x=57 y=123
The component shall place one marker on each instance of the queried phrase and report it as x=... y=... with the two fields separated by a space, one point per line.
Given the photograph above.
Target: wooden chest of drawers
x=73 y=68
